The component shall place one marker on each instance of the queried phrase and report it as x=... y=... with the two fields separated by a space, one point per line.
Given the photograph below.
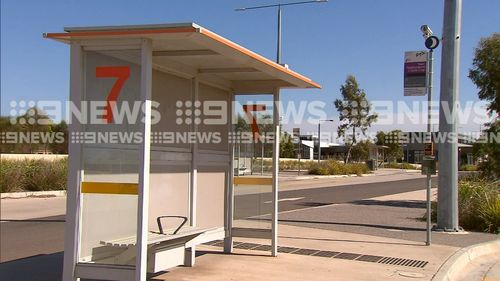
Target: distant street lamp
x=279 y=5
x=319 y=137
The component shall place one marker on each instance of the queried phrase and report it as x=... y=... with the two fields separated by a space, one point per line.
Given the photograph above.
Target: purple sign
x=415 y=68
x=415 y=73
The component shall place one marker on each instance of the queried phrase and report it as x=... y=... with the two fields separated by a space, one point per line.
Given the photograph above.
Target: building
x=414 y=151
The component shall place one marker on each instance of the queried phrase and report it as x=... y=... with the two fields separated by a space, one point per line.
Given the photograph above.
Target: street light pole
x=278 y=48
x=429 y=130
x=450 y=66
x=279 y=5
x=319 y=137
x=319 y=142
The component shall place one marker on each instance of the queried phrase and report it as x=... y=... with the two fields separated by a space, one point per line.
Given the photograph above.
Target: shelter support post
x=276 y=151
x=145 y=153
x=189 y=256
x=229 y=202
x=72 y=229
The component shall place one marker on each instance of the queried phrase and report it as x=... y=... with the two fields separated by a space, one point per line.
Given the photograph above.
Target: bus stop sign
x=432 y=42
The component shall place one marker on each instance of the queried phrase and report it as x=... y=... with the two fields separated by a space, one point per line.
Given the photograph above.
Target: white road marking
x=285 y=199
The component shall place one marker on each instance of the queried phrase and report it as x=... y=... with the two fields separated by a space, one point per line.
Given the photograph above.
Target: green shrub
x=332 y=167
x=294 y=164
x=468 y=168
x=405 y=166
x=11 y=176
x=283 y=166
x=478 y=205
x=490 y=214
x=33 y=175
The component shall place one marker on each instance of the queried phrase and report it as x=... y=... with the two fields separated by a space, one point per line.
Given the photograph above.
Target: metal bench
x=166 y=248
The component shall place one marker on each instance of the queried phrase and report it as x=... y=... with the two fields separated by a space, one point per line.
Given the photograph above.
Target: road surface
x=25 y=238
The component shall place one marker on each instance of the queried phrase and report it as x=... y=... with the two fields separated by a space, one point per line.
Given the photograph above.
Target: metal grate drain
x=306 y=252
x=347 y=256
x=370 y=258
x=325 y=254
x=403 y=262
x=287 y=250
x=247 y=246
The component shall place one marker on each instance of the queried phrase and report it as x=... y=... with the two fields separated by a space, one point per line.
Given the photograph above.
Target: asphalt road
x=26 y=238
x=259 y=204
x=349 y=208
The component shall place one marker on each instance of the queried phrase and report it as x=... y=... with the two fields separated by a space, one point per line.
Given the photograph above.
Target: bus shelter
x=152 y=165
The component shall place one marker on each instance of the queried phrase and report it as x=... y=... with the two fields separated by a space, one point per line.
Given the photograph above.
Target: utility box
x=429 y=165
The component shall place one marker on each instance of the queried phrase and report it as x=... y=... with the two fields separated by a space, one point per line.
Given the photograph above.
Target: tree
x=33 y=121
x=56 y=147
x=487 y=149
x=241 y=124
x=485 y=71
x=361 y=150
x=287 y=147
x=354 y=113
x=394 y=150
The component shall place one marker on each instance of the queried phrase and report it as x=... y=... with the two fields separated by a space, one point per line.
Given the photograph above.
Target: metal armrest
x=160 y=227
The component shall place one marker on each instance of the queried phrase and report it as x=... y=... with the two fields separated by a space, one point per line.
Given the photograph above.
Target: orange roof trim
x=69 y=35
x=258 y=57
x=180 y=29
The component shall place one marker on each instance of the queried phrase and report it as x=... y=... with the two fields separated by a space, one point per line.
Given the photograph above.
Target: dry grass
x=32 y=175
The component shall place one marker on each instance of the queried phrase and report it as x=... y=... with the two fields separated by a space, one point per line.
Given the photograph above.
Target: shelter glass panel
x=253 y=157
x=111 y=144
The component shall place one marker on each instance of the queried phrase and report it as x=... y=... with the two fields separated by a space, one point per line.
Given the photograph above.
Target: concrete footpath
x=313 y=253
x=321 y=251
x=355 y=257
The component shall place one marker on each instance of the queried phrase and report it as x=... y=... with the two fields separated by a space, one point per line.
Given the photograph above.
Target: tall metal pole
x=430 y=73
x=448 y=158
x=278 y=50
x=262 y=158
x=319 y=142
x=300 y=154
x=279 y=5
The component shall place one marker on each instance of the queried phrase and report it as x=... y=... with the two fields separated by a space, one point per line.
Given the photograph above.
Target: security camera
x=426 y=31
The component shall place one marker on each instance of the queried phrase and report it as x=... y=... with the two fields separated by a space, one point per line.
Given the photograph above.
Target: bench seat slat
x=157 y=238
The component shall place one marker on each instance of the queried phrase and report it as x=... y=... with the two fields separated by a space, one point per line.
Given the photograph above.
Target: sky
x=325 y=42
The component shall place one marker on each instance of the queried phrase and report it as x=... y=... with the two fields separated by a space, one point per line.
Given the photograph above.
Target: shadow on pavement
x=313 y=204
x=417 y=204
x=352 y=241
x=354 y=224
x=44 y=267
x=31 y=220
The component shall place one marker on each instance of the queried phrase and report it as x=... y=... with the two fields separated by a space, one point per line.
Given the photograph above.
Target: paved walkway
x=349 y=253
x=30 y=208
x=396 y=216
x=486 y=268
x=250 y=265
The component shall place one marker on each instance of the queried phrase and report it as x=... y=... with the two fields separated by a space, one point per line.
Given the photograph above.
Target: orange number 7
x=254 y=107
x=122 y=73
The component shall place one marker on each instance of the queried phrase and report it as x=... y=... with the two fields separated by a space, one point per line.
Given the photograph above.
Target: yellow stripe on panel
x=252 y=181
x=109 y=188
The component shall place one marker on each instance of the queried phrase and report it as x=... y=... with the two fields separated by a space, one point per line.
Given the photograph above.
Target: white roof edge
x=131 y=27
x=311 y=143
